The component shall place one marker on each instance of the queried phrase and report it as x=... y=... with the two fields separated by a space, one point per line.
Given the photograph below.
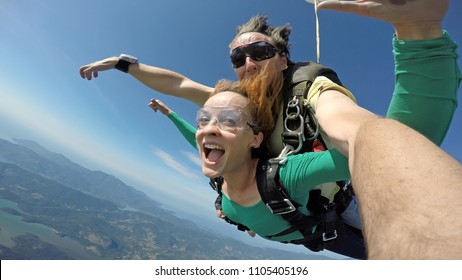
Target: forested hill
x=53 y=208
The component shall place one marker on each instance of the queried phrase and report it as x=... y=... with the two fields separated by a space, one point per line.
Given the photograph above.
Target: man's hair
x=279 y=35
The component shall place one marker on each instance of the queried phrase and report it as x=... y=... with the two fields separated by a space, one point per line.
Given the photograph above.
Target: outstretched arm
x=409 y=194
x=413 y=20
x=417 y=23
x=187 y=130
x=159 y=79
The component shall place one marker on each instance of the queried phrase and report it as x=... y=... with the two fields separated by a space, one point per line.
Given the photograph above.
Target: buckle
x=329 y=238
x=281 y=207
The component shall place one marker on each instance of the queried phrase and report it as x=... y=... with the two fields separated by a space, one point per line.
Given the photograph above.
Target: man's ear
x=283 y=61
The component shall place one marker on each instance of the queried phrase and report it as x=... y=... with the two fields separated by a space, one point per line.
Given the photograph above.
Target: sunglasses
x=228 y=118
x=258 y=51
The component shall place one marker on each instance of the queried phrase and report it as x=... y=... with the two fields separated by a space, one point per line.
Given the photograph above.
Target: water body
x=13 y=225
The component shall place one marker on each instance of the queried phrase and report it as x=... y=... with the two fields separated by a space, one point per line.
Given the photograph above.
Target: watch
x=124 y=62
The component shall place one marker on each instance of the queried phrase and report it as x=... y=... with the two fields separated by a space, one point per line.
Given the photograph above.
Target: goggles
x=228 y=118
x=258 y=51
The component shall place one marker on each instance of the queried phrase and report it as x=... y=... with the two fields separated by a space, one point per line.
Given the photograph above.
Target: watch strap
x=122 y=65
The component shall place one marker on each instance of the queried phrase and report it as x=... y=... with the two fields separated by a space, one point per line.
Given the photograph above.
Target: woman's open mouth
x=213 y=153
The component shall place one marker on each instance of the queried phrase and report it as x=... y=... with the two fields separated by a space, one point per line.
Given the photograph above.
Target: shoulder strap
x=300 y=124
x=216 y=184
x=308 y=71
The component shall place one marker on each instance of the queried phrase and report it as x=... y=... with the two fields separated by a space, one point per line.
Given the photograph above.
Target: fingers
x=220 y=214
x=251 y=233
x=354 y=7
x=82 y=72
x=91 y=70
x=153 y=104
x=87 y=73
x=408 y=13
x=156 y=104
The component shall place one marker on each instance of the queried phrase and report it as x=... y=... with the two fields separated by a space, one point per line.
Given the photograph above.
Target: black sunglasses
x=258 y=51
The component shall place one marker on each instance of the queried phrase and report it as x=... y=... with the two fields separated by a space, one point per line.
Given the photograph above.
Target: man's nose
x=250 y=65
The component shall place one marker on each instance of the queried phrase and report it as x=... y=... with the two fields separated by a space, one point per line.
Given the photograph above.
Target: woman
x=232 y=137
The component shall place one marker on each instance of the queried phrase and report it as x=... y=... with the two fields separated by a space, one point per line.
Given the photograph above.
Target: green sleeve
x=427 y=79
x=187 y=130
x=302 y=172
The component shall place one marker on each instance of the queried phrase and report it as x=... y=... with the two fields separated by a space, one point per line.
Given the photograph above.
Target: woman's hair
x=265 y=100
x=279 y=35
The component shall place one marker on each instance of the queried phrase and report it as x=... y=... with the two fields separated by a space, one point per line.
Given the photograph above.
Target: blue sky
x=105 y=124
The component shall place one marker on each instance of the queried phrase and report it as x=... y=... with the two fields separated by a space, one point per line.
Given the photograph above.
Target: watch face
x=128 y=58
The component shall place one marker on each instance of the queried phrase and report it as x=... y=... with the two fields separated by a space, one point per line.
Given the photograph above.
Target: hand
x=394 y=11
x=220 y=214
x=91 y=70
x=412 y=19
x=251 y=233
x=156 y=104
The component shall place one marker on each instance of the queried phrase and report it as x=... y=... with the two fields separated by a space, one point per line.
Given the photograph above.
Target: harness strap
x=344 y=196
x=294 y=133
x=279 y=203
x=300 y=125
x=300 y=131
x=216 y=184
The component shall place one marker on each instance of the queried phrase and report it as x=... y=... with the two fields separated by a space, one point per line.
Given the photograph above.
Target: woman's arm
x=187 y=130
x=427 y=79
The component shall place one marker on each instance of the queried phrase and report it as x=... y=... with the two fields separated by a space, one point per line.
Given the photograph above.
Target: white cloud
x=194 y=157
x=174 y=163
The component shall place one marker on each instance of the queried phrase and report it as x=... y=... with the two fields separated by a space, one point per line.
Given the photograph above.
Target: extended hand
x=156 y=104
x=412 y=19
x=393 y=11
x=91 y=70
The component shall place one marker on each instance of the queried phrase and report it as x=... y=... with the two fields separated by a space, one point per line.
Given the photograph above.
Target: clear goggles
x=228 y=118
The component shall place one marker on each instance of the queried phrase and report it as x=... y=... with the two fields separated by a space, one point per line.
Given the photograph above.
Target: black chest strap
x=216 y=184
x=327 y=222
x=278 y=202
x=275 y=197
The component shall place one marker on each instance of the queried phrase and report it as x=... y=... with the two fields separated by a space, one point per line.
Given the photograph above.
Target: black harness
x=326 y=220
x=300 y=124
x=301 y=130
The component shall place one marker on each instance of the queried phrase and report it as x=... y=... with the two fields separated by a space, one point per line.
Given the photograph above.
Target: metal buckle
x=325 y=239
x=282 y=158
x=300 y=127
x=281 y=207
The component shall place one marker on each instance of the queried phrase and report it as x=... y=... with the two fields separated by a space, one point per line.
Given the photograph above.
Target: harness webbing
x=300 y=130
x=278 y=202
